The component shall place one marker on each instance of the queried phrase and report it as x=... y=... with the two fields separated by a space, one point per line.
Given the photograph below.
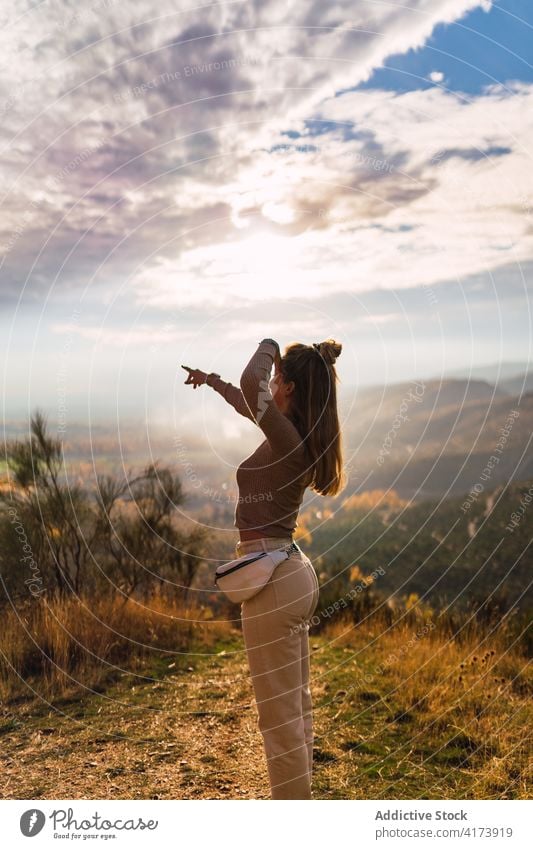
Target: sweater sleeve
x=233 y=395
x=278 y=429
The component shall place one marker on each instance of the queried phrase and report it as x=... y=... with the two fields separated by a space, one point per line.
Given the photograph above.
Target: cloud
x=155 y=143
x=432 y=187
x=118 y=337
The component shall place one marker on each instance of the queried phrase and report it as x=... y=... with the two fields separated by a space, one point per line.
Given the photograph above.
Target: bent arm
x=280 y=432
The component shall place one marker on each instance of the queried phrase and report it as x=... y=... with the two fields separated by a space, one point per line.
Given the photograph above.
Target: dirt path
x=190 y=735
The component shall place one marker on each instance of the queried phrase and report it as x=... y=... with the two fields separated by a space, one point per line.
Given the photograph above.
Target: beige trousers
x=275 y=624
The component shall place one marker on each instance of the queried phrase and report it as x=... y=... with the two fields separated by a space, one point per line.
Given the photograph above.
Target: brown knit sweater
x=273 y=479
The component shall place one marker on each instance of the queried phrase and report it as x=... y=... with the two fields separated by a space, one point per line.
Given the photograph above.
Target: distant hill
x=493 y=372
x=433 y=444
x=519 y=384
x=511 y=377
x=444 y=440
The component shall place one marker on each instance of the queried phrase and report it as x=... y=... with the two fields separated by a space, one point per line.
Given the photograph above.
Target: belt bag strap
x=240 y=579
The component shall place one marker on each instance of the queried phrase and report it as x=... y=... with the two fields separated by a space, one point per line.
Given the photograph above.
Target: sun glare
x=261 y=265
x=268 y=260
x=278 y=212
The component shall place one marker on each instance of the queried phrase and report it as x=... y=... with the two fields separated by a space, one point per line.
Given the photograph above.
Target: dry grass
x=55 y=643
x=438 y=715
x=465 y=703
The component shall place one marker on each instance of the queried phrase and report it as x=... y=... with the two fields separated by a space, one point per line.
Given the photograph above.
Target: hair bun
x=329 y=350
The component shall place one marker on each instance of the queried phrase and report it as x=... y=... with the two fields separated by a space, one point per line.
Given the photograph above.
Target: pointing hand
x=196 y=376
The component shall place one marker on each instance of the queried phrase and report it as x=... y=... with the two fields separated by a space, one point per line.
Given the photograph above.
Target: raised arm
x=280 y=432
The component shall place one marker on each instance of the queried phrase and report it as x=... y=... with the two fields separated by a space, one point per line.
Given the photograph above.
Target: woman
x=297 y=411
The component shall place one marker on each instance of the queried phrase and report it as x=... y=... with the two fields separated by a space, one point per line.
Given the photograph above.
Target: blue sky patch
x=482 y=49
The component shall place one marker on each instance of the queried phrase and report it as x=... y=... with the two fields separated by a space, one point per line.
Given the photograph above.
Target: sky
x=180 y=181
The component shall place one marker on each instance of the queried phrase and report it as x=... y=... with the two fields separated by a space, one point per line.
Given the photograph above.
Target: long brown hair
x=314 y=410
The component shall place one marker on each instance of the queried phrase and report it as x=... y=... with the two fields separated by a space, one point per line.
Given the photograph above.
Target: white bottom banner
x=233 y=824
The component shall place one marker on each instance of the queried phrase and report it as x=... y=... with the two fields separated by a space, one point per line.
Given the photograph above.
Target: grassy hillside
x=421 y=679
x=403 y=712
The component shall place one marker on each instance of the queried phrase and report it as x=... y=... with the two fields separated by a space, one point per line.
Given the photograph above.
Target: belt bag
x=242 y=578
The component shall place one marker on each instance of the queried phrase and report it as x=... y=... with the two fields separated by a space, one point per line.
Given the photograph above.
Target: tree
x=124 y=534
x=144 y=541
